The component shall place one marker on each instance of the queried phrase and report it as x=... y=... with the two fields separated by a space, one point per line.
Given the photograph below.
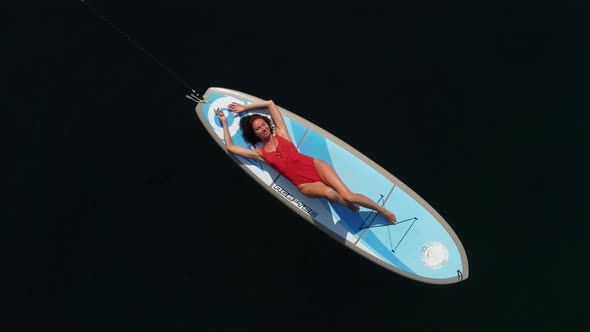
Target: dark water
x=124 y=216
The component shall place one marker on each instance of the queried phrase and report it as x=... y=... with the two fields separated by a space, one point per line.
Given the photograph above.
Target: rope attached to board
x=195 y=97
x=192 y=96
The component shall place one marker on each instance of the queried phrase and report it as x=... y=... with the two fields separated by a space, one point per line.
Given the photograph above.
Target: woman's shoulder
x=260 y=153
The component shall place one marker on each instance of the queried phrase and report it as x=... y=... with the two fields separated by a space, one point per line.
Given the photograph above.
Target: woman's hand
x=236 y=108
x=220 y=115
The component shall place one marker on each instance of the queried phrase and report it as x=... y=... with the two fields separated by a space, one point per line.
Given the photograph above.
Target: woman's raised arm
x=229 y=143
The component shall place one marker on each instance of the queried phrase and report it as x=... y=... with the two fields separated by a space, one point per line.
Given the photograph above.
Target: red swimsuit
x=295 y=166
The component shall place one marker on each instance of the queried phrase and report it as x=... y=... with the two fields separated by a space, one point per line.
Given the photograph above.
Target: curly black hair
x=248 y=131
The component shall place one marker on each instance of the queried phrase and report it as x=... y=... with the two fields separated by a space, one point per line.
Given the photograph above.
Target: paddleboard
x=421 y=245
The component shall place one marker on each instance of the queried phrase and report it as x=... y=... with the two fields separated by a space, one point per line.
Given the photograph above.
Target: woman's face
x=261 y=129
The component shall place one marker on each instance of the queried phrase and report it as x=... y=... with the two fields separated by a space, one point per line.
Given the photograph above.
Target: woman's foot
x=390 y=216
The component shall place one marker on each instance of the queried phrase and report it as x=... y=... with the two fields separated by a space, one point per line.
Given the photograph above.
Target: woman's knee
x=329 y=194
x=348 y=196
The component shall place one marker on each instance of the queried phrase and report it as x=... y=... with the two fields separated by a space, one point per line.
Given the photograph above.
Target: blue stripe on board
x=296 y=130
x=383 y=249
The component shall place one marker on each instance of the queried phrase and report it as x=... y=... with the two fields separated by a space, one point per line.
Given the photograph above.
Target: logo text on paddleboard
x=302 y=206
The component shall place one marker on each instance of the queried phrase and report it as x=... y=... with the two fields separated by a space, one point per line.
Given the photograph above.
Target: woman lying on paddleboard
x=313 y=177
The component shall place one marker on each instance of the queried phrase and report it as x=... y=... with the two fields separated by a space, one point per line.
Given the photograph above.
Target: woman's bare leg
x=333 y=181
x=320 y=190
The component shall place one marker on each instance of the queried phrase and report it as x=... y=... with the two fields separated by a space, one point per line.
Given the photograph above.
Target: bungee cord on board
x=192 y=96
x=371 y=225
